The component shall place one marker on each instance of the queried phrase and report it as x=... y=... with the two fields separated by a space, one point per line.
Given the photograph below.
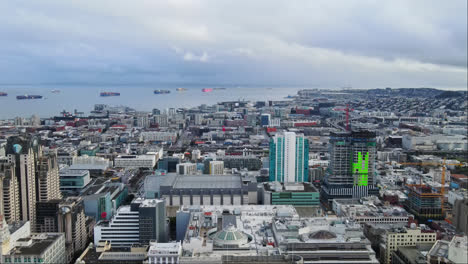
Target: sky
x=320 y=43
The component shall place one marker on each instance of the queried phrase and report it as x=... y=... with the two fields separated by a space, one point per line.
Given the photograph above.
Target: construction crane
x=436 y=164
x=347 y=110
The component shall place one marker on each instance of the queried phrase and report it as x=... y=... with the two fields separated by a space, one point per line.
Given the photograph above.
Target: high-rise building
x=424 y=202
x=23 y=152
x=144 y=220
x=65 y=216
x=289 y=158
x=9 y=192
x=352 y=166
x=48 y=177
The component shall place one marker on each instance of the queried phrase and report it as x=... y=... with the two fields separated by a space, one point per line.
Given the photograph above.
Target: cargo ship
x=23 y=97
x=181 y=89
x=55 y=91
x=161 y=91
x=104 y=94
x=219 y=88
x=206 y=90
x=3 y=94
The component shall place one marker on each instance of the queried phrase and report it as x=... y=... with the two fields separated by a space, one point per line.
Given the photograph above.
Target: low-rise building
x=73 y=181
x=147 y=161
x=164 y=253
x=38 y=248
x=405 y=237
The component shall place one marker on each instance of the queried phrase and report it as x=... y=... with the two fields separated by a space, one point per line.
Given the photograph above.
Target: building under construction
x=424 y=202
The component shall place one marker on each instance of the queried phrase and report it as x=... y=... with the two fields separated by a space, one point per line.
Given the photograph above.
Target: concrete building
x=164 y=253
x=216 y=167
x=65 y=216
x=370 y=212
x=147 y=161
x=23 y=153
x=289 y=158
x=144 y=220
x=9 y=196
x=405 y=237
x=186 y=168
x=460 y=215
x=73 y=181
x=38 y=248
x=48 y=179
x=11 y=233
x=352 y=166
x=323 y=240
x=458 y=249
x=104 y=198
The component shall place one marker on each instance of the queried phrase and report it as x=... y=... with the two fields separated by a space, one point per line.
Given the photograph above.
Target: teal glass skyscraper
x=289 y=158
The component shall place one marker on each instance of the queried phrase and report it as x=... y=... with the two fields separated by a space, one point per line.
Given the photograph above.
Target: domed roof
x=230 y=236
x=322 y=234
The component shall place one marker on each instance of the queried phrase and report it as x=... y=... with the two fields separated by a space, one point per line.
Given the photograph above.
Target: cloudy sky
x=398 y=43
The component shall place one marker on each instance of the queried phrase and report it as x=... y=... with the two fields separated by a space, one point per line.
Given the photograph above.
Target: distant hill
x=411 y=92
x=449 y=94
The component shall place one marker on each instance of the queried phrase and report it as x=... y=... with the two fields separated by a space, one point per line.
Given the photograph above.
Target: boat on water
x=181 y=89
x=105 y=94
x=27 y=97
x=3 y=94
x=161 y=91
x=219 y=88
x=206 y=90
x=55 y=91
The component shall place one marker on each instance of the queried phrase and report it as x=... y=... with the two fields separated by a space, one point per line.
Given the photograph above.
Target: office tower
x=48 y=176
x=23 y=152
x=265 y=120
x=144 y=220
x=156 y=111
x=216 y=167
x=352 y=166
x=289 y=158
x=9 y=192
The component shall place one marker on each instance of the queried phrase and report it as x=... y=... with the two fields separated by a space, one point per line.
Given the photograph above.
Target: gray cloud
x=318 y=43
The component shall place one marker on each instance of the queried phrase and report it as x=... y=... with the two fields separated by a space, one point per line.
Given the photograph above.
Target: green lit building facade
x=351 y=173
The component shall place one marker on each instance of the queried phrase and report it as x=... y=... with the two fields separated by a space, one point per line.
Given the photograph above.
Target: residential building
x=289 y=158
x=48 y=179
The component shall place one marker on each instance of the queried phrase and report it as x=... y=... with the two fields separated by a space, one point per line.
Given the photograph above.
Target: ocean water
x=83 y=98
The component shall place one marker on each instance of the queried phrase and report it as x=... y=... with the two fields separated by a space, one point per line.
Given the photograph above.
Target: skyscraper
x=28 y=175
x=289 y=158
x=23 y=152
x=352 y=166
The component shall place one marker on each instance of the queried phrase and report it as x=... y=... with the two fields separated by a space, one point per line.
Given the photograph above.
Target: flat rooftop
x=207 y=181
